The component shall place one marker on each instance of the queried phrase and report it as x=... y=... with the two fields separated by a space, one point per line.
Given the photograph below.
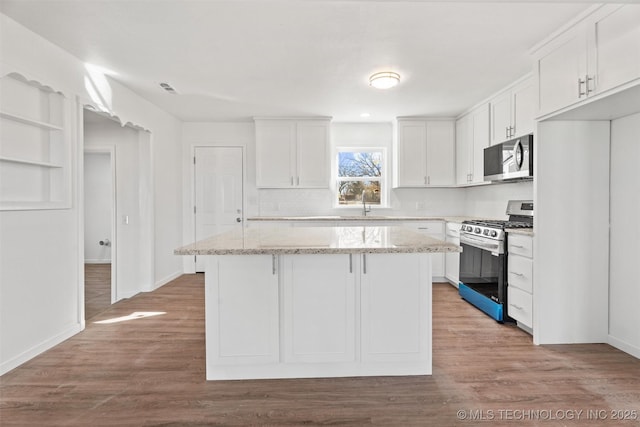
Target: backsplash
x=484 y=201
x=491 y=200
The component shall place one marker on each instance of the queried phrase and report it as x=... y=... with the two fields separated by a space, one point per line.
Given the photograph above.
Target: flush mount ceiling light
x=384 y=80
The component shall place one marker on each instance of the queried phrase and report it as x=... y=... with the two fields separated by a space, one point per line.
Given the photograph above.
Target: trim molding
x=624 y=346
x=166 y=280
x=39 y=348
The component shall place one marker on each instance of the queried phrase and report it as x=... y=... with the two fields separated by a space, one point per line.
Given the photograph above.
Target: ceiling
x=233 y=60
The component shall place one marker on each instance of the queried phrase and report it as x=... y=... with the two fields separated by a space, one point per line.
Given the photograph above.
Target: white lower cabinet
x=396 y=308
x=452 y=259
x=433 y=229
x=520 y=280
x=324 y=315
x=319 y=308
x=242 y=311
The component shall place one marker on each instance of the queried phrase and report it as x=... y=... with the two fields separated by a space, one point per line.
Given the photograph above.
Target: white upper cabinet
x=424 y=153
x=292 y=153
x=472 y=137
x=598 y=54
x=512 y=112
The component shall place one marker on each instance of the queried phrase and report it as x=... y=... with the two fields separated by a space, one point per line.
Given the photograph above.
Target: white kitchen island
x=300 y=302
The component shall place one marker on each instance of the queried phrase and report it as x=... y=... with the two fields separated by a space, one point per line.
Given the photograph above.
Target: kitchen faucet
x=365 y=208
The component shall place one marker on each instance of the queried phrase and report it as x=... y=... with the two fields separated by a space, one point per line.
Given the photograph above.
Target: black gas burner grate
x=500 y=224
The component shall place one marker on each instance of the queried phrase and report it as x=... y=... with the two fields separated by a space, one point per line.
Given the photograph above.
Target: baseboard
x=97 y=261
x=624 y=346
x=167 y=279
x=38 y=349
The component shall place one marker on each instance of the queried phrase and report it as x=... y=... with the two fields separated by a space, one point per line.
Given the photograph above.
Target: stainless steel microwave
x=510 y=160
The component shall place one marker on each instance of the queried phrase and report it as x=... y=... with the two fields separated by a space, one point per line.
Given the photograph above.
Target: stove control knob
x=486 y=232
x=477 y=230
x=494 y=233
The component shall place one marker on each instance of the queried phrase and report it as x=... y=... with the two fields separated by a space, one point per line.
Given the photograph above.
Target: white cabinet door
x=433 y=229
x=617 y=44
x=412 y=153
x=312 y=155
x=512 y=112
x=480 y=142
x=275 y=153
x=320 y=309
x=523 y=108
x=561 y=72
x=464 y=142
x=440 y=152
x=396 y=306
x=242 y=311
x=501 y=118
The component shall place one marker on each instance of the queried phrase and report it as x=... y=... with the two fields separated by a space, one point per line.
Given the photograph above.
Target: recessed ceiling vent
x=168 y=88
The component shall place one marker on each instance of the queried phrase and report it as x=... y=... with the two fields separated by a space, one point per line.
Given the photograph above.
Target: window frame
x=383 y=178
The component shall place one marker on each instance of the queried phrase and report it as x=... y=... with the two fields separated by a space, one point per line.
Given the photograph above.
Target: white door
x=218 y=192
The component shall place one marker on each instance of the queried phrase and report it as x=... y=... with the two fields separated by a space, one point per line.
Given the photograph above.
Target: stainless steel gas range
x=483 y=261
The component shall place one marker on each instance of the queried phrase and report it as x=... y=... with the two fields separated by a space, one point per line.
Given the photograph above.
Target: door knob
x=238 y=219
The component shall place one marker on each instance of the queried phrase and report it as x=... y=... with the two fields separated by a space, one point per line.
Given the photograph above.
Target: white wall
x=41 y=252
x=571 y=241
x=490 y=201
x=624 y=292
x=97 y=207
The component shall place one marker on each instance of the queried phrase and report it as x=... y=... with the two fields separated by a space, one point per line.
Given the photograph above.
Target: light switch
x=125 y=219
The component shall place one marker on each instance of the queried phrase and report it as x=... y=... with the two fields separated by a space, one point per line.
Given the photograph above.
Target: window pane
x=350 y=192
x=359 y=164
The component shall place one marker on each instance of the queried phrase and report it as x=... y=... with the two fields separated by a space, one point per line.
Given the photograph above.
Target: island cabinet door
x=319 y=304
x=396 y=308
x=242 y=310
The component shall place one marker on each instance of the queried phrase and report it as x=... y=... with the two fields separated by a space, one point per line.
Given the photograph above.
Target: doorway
x=131 y=206
x=218 y=177
x=99 y=230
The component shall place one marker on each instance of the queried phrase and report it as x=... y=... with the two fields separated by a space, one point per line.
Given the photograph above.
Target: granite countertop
x=523 y=231
x=317 y=240
x=348 y=218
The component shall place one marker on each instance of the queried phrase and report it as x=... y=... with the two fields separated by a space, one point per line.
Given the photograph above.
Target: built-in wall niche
x=35 y=146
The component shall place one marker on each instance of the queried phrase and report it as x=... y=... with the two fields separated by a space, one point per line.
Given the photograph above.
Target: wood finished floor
x=150 y=371
x=97 y=289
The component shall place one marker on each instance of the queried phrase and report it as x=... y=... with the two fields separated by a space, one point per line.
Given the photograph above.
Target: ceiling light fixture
x=384 y=80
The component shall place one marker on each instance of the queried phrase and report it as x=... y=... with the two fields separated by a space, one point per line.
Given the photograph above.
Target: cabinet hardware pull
x=364 y=263
x=517 y=307
x=512 y=131
x=517 y=274
x=506 y=131
x=273 y=264
x=589 y=88
x=517 y=246
x=350 y=263
x=428 y=180
x=580 y=83
x=425 y=179
x=292 y=181
x=298 y=180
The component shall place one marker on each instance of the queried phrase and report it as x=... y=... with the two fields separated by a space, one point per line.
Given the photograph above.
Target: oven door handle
x=481 y=244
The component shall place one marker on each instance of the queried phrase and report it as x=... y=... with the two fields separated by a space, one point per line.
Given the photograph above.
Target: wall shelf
x=29 y=162
x=35 y=146
x=28 y=121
